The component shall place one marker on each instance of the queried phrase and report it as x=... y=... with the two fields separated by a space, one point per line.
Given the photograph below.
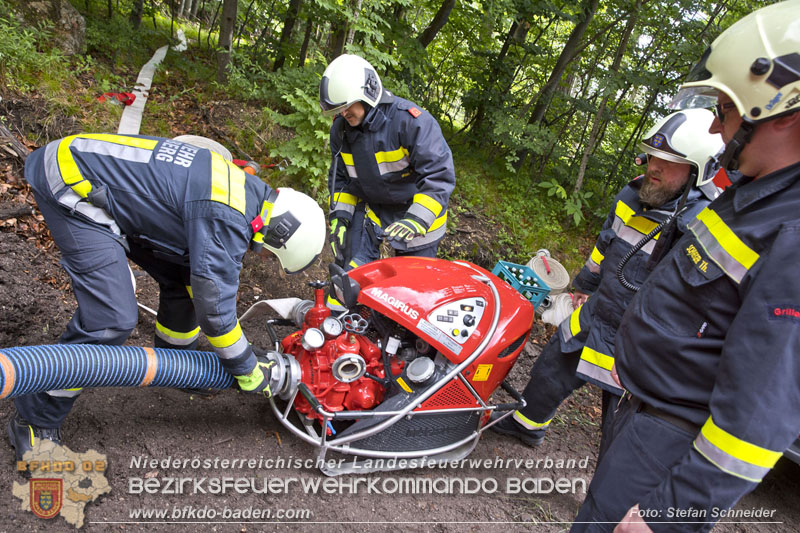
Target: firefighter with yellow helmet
x=707 y=349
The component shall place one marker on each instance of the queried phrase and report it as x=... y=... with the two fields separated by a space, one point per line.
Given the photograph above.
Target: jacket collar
x=748 y=191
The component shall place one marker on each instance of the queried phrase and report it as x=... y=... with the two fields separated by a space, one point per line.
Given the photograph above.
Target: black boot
x=24 y=436
x=509 y=426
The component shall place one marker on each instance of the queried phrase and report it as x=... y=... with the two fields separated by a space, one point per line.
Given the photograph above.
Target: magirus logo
x=390 y=300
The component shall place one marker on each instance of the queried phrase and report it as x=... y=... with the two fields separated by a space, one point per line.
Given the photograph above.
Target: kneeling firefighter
x=186 y=215
x=392 y=172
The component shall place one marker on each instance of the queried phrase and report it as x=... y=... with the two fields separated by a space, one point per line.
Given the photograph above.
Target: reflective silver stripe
x=175 y=340
x=342 y=206
x=733 y=268
x=428 y=238
x=593 y=267
x=65 y=196
x=728 y=463
x=422 y=212
x=394 y=166
x=234 y=350
x=565 y=331
x=632 y=236
x=64 y=393
x=598 y=374
x=351 y=171
x=617 y=225
x=117 y=151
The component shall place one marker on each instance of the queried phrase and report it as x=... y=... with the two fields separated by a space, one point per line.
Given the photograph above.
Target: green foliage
x=24 y=61
x=307 y=151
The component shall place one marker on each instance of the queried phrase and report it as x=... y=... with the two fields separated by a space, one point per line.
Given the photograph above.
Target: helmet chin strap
x=730 y=157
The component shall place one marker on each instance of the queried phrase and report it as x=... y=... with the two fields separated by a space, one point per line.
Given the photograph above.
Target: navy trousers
x=553 y=379
x=96 y=260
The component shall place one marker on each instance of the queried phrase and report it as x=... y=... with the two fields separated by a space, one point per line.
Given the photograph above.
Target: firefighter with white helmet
x=186 y=215
x=681 y=160
x=707 y=349
x=392 y=172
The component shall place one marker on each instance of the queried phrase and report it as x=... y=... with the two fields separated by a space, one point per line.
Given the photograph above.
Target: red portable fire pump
x=408 y=371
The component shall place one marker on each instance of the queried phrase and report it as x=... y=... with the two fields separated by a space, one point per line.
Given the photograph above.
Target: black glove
x=257 y=381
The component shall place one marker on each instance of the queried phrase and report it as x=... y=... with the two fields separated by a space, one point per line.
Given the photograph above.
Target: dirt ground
x=132 y=424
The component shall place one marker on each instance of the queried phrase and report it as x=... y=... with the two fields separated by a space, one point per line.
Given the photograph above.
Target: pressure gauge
x=312 y=339
x=332 y=327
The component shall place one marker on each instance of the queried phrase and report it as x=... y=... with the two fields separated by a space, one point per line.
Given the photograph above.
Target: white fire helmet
x=205 y=142
x=756 y=62
x=683 y=137
x=346 y=80
x=296 y=231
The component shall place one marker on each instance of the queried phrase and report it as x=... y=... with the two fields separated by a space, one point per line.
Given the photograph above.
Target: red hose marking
x=10 y=376
x=152 y=366
x=546 y=264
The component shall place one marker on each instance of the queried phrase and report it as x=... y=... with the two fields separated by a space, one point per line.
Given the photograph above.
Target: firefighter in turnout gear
x=392 y=172
x=708 y=347
x=680 y=154
x=186 y=215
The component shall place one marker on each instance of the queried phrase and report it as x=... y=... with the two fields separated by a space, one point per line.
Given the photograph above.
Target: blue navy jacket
x=591 y=328
x=186 y=204
x=713 y=337
x=396 y=161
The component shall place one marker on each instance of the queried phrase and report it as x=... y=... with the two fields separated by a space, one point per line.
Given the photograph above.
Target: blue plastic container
x=524 y=280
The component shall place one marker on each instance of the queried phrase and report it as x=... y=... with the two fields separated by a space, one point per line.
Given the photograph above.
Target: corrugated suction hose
x=28 y=369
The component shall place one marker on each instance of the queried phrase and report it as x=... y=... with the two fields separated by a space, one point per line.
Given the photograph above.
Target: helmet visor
x=702 y=97
x=329 y=108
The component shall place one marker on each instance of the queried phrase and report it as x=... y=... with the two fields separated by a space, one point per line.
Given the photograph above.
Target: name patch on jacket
x=783 y=312
x=177 y=153
x=701 y=262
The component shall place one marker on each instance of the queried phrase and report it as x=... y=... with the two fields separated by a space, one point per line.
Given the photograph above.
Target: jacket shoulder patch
x=415 y=112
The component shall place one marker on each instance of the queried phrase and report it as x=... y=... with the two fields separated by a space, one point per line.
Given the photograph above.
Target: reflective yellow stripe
x=347 y=158
x=223 y=341
x=83 y=188
x=373 y=217
x=227 y=183
x=596 y=358
x=389 y=157
x=439 y=222
x=428 y=203
x=738 y=448
x=530 y=423
x=575 y=322
x=597 y=257
x=623 y=211
x=70 y=172
x=641 y=224
x=189 y=290
x=726 y=238
x=266 y=211
x=177 y=334
x=345 y=198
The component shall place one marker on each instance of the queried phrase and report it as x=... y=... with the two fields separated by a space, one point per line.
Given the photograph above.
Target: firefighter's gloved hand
x=404 y=229
x=257 y=381
x=338 y=234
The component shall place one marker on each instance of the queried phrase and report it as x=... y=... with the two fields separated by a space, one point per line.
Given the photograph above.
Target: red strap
x=546 y=264
x=124 y=98
x=415 y=112
x=257 y=223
